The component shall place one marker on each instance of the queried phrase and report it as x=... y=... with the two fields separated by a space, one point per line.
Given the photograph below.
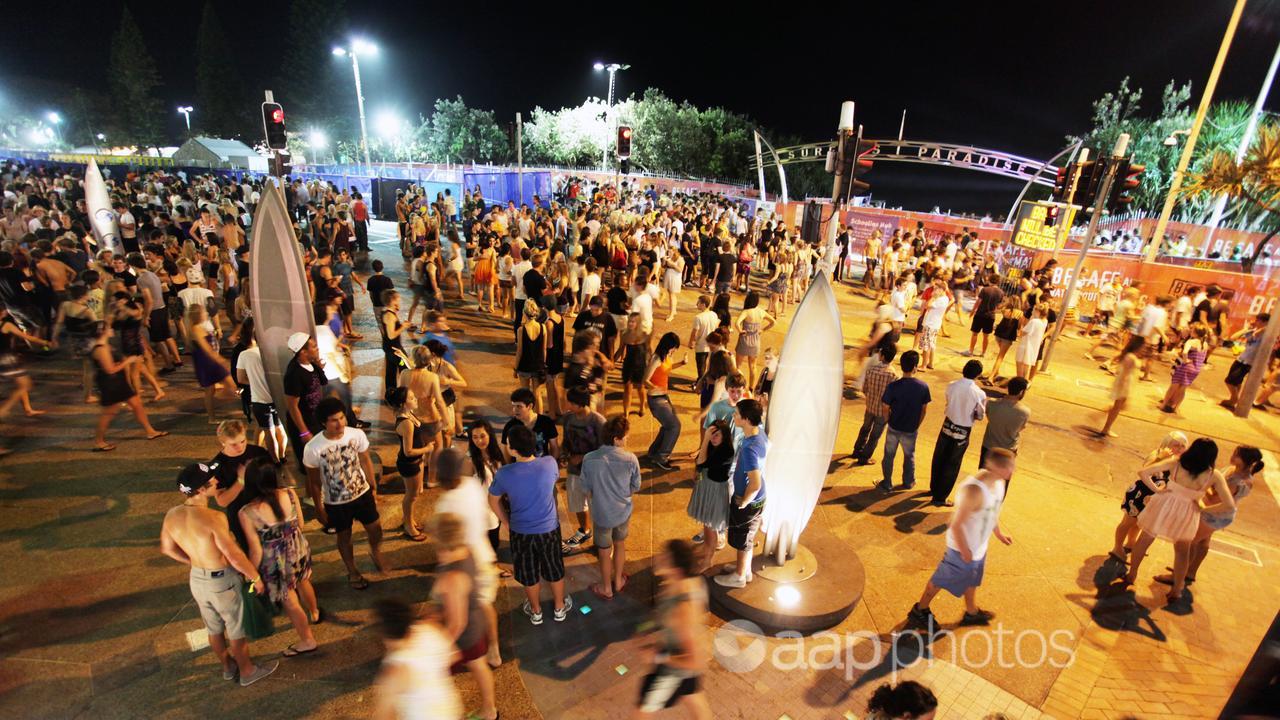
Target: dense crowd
x=590 y=283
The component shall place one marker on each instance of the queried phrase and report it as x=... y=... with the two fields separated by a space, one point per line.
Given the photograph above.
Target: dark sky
x=1005 y=76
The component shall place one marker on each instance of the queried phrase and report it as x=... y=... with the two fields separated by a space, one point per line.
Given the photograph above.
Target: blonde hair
x=228 y=429
x=421 y=356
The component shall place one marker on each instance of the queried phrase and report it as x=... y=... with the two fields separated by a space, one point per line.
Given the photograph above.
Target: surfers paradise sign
x=930 y=153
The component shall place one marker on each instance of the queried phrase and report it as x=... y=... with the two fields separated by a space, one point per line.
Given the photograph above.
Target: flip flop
x=357 y=582
x=291 y=651
x=104 y=448
x=157 y=436
x=595 y=590
x=420 y=537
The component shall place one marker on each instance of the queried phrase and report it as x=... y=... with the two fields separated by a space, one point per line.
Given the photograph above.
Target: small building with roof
x=219 y=153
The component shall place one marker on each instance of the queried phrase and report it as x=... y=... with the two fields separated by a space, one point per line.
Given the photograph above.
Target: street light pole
x=610 y=120
x=354 y=51
x=1149 y=254
x=186 y=114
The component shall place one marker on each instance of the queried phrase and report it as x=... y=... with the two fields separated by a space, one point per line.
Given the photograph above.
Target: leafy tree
x=1255 y=180
x=459 y=133
x=133 y=79
x=224 y=107
x=314 y=86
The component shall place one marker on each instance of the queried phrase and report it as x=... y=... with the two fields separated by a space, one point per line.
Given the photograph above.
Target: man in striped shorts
x=530 y=485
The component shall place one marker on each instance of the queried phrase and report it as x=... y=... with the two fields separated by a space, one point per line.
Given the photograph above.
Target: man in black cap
x=197 y=535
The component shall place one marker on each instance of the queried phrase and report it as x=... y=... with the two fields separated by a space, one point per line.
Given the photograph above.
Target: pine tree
x=133 y=79
x=314 y=86
x=224 y=106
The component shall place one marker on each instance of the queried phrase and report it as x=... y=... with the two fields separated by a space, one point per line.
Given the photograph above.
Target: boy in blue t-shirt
x=908 y=399
x=746 y=507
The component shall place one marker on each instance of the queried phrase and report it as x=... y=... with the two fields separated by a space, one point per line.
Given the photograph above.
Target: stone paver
x=93 y=619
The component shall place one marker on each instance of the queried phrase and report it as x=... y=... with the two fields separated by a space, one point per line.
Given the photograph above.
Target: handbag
x=257 y=612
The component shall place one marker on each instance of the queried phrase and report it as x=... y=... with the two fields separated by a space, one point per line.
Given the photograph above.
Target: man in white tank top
x=975 y=519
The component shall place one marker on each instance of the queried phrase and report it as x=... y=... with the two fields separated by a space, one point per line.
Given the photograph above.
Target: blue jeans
x=868 y=436
x=668 y=432
x=892 y=439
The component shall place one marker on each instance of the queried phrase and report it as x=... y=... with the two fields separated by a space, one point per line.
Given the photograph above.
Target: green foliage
x=457 y=133
x=1253 y=183
x=224 y=108
x=133 y=79
x=315 y=87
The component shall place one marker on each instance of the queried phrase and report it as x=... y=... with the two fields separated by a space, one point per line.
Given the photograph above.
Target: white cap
x=297 y=341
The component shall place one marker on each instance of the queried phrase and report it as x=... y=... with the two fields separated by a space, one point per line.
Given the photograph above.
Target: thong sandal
x=158 y=435
x=104 y=448
x=357 y=582
x=420 y=537
x=598 y=592
x=291 y=651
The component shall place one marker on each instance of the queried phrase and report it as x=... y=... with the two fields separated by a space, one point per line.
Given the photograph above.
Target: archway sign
x=966 y=157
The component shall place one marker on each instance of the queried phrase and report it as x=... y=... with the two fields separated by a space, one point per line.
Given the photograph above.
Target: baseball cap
x=195 y=476
x=297 y=341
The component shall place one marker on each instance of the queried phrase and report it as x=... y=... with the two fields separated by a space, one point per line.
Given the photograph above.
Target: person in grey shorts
x=197 y=535
x=610 y=476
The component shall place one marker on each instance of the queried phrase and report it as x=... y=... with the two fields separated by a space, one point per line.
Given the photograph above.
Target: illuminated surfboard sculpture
x=804 y=417
x=101 y=217
x=278 y=291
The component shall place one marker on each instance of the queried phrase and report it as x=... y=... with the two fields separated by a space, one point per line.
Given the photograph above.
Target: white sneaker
x=563 y=612
x=534 y=617
x=730 y=580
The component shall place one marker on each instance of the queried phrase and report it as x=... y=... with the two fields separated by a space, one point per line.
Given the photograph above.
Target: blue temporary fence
x=504 y=187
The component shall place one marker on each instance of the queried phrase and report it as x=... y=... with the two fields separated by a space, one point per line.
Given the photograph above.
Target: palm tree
x=1255 y=180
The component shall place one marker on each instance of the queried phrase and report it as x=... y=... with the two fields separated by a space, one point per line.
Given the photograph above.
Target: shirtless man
x=197 y=535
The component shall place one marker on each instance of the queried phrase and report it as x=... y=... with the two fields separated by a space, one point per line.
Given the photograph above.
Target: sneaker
x=578 y=537
x=907 y=486
x=730 y=580
x=697 y=538
x=534 y=617
x=920 y=618
x=562 y=613
x=663 y=464
x=261 y=672
x=231 y=674
x=982 y=617
x=885 y=486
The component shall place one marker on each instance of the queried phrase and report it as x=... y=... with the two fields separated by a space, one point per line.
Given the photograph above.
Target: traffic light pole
x=1099 y=204
x=1065 y=228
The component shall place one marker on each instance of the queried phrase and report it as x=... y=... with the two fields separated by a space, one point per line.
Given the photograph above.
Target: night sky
x=1011 y=77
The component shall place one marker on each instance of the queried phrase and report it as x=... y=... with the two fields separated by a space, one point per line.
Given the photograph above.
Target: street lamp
x=56 y=119
x=318 y=141
x=613 y=69
x=357 y=48
x=186 y=113
x=1173 y=137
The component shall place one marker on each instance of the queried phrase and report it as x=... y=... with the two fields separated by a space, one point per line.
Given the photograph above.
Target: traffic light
x=624 y=167
x=857 y=158
x=1086 y=193
x=624 y=142
x=273 y=125
x=1128 y=178
x=1062 y=184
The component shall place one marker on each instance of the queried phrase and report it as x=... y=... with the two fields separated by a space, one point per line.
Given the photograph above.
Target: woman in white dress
x=672 y=281
x=1029 y=344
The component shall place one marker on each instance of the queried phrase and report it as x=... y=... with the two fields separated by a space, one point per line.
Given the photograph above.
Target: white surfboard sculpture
x=101 y=216
x=278 y=290
x=804 y=417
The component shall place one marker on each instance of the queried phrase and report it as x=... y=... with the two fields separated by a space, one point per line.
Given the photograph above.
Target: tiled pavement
x=92 y=619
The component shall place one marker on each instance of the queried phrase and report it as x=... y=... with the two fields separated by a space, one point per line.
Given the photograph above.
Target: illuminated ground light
x=786 y=596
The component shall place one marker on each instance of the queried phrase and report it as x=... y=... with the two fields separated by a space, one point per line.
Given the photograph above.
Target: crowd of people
x=590 y=285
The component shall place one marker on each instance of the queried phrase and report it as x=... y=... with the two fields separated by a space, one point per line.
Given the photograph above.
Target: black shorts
x=362 y=508
x=984 y=324
x=408 y=469
x=743 y=524
x=1238 y=372
x=158 y=325
x=664 y=687
x=264 y=414
x=537 y=557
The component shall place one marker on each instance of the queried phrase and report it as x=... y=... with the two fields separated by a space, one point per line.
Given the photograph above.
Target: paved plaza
x=94 y=621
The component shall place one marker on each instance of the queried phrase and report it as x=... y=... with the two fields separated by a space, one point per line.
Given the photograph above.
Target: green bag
x=257 y=612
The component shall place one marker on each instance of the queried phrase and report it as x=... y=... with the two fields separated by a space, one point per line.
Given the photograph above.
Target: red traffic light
x=277 y=115
x=624 y=142
x=273 y=125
